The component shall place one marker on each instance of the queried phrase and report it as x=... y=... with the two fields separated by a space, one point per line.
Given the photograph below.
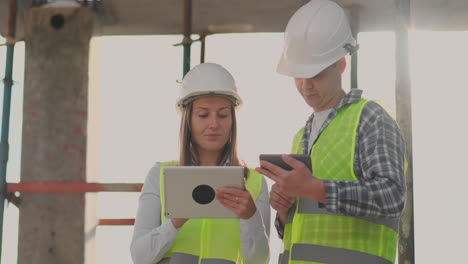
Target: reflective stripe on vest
x=288 y=230
x=181 y=258
x=332 y=255
x=216 y=261
x=164 y=261
x=283 y=258
x=308 y=206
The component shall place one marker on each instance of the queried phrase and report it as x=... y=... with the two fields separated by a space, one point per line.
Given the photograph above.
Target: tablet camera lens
x=203 y=194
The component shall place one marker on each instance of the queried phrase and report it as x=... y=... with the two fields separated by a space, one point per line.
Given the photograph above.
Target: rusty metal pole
x=404 y=119
x=202 y=46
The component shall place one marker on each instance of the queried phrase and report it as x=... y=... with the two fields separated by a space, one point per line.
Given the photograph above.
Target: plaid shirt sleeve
x=379 y=166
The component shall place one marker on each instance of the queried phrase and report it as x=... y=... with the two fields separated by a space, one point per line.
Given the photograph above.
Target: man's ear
x=342 y=65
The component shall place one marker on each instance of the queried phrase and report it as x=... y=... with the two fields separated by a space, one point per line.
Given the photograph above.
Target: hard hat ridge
x=207 y=79
x=316 y=36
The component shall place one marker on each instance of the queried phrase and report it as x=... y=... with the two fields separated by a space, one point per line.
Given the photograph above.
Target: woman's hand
x=178 y=222
x=239 y=201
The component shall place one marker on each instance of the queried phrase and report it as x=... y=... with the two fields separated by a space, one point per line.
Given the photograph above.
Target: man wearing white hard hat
x=347 y=209
x=208 y=137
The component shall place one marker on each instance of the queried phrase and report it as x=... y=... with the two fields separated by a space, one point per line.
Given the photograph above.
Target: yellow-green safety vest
x=208 y=241
x=314 y=235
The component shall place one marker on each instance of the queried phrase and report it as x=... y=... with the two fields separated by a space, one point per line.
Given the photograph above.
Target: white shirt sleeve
x=151 y=240
x=255 y=231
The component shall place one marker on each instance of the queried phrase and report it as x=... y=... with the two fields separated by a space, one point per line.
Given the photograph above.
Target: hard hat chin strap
x=350 y=48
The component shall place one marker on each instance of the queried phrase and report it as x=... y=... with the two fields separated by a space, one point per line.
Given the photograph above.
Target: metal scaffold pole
x=187 y=41
x=403 y=108
x=354 y=12
x=8 y=83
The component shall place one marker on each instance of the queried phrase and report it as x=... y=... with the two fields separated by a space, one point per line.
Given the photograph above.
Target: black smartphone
x=278 y=160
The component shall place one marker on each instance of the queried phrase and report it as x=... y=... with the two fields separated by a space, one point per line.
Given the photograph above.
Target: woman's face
x=211 y=123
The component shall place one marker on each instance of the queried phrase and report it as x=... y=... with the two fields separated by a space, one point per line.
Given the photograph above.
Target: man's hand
x=297 y=182
x=281 y=202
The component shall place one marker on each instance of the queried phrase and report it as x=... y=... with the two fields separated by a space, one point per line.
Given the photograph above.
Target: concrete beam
x=148 y=17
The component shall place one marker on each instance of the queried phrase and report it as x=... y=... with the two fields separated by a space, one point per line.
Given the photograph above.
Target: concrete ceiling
x=150 y=17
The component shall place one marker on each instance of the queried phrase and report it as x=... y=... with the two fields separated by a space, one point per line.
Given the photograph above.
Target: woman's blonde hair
x=188 y=155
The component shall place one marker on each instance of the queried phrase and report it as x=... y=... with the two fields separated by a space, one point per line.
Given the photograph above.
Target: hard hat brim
x=303 y=70
x=231 y=96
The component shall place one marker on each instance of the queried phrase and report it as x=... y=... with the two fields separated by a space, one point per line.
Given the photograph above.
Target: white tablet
x=190 y=191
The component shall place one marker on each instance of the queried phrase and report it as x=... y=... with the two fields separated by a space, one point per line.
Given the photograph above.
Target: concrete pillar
x=52 y=226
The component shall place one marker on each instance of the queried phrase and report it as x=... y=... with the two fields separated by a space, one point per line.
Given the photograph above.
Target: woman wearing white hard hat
x=208 y=137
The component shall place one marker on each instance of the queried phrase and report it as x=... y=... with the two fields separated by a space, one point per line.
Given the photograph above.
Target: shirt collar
x=353 y=96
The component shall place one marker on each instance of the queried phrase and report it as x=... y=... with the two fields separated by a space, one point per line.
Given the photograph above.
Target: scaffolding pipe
x=202 y=47
x=403 y=111
x=116 y=222
x=354 y=13
x=8 y=83
x=187 y=41
x=71 y=187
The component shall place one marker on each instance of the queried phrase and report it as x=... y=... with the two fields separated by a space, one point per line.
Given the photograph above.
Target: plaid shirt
x=378 y=164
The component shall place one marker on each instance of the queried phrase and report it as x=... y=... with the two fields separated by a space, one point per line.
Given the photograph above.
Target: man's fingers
x=277 y=190
x=294 y=163
x=267 y=173
x=284 y=196
x=284 y=199
x=270 y=170
x=280 y=206
x=279 y=203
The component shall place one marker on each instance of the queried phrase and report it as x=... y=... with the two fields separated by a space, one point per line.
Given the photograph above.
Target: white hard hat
x=207 y=79
x=316 y=36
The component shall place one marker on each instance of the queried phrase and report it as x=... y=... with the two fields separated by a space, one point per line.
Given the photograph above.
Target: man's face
x=320 y=91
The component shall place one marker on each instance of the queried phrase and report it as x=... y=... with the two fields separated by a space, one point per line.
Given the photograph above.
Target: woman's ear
x=342 y=65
